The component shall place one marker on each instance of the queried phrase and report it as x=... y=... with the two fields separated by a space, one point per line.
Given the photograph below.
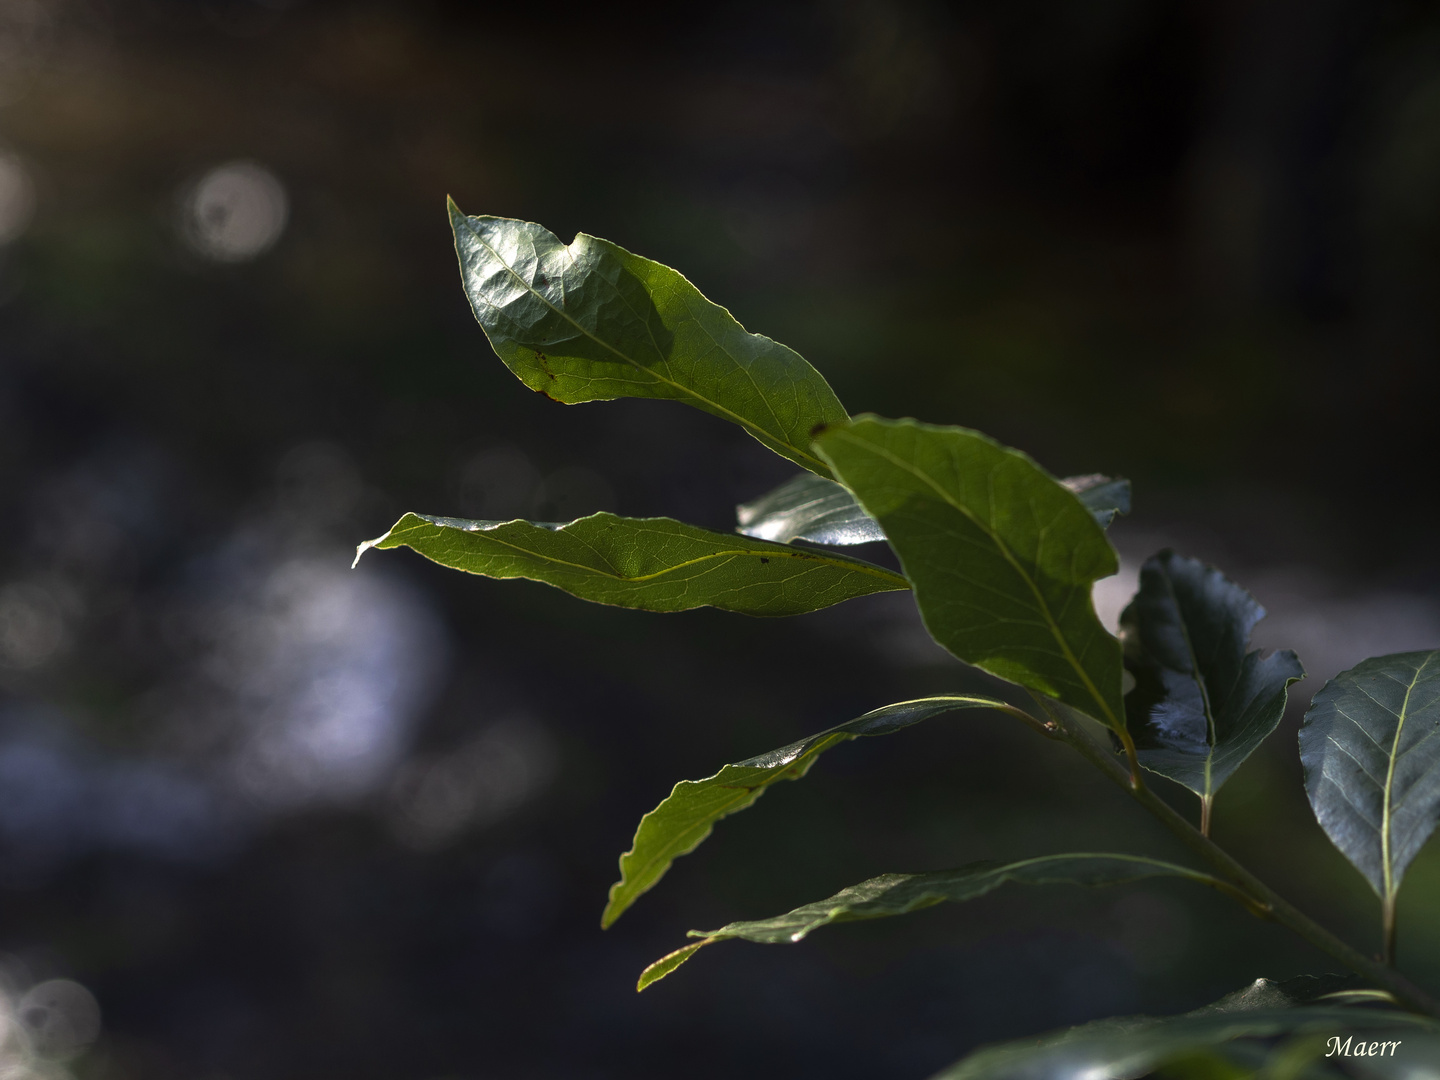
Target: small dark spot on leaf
x=818 y=430
x=763 y=559
x=543 y=280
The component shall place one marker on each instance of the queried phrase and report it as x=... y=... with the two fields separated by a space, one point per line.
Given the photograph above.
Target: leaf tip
x=360 y=549
x=613 y=909
x=668 y=963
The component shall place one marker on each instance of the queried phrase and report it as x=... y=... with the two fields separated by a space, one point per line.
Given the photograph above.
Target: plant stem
x=1131 y=756
x=1050 y=730
x=1387 y=919
x=1265 y=898
x=1206 y=802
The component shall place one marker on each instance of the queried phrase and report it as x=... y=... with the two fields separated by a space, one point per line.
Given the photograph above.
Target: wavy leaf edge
x=789 y=762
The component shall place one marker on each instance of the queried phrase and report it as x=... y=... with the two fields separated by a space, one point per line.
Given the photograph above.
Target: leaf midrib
x=1390 y=781
x=1004 y=549
x=730 y=414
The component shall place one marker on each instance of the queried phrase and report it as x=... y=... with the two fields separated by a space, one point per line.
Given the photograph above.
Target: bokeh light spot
x=17 y=197
x=32 y=626
x=61 y=1016
x=235 y=212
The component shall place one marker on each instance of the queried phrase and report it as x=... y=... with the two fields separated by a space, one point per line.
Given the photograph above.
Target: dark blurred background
x=279 y=818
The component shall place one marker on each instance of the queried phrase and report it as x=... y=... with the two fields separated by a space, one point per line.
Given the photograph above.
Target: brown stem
x=1265 y=898
x=1206 y=802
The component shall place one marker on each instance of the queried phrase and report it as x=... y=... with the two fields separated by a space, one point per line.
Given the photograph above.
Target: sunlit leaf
x=900 y=894
x=809 y=507
x=679 y=824
x=1001 y=555
x=1370 y=744
x=656 y=564
x=1201 y=703
x=1266 y=1024
x=667 y=963
x=589 y=321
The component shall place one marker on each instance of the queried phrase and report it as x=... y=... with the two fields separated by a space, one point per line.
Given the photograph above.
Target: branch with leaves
x=1001 y=559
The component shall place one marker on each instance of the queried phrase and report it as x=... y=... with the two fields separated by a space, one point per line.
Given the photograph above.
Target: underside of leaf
x=1201 y=704
x=808 y=507
x=654 y=564
x=819 y=511
x=900 y=894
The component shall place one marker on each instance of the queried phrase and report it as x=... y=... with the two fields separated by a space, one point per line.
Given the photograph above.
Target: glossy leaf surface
x=655 y=564
x=679 y=824
x=808 y=507
x=589 y=321
x=811 y=508
x=1201 y=703
x=1002 y=557
x=900 y=894
x=1240 y=1029
x=1370 y=745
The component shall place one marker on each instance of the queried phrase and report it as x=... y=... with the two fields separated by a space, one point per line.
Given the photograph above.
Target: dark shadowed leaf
x=900 y=894
x=1370 y=744
x=655 y=564
x=589 y=321
x=1001 y=555
x=1201 y=703
x=1103 y=496
x=809 y=507
x=1271 y=1024
x=679 y=824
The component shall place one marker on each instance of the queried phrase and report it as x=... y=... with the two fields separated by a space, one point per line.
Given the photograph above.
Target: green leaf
x=656 y=564
x=809 y=507
x=899 y=894
x=1201 y=703
x=589 y=321
x=667 y=963
x=1103 y=496
x=679 y=824
x=1232 y=1029
x=1002 y=556
x=1371 y=754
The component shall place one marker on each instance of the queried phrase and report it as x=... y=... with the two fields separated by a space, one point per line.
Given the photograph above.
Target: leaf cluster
x=1001 y=559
